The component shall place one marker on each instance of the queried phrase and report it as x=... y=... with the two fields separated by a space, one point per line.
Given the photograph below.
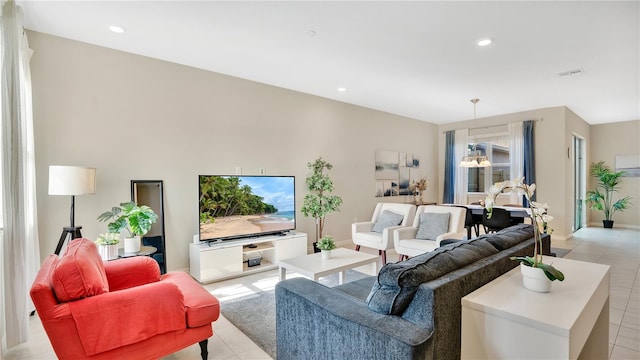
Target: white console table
x=503 y=320
x=211 y=261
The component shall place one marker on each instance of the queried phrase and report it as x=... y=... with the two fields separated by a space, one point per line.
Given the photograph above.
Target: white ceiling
x=415 y=59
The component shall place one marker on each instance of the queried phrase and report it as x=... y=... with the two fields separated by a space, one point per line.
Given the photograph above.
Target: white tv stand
x=226 y=259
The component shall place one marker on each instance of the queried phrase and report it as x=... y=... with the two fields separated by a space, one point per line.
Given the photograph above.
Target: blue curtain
x=449 y=168
x=529 y=156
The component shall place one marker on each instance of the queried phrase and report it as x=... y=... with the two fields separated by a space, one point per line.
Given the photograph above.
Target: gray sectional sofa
x=411 y=310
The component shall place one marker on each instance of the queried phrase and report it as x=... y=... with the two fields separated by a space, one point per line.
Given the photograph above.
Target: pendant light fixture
x=474 y=159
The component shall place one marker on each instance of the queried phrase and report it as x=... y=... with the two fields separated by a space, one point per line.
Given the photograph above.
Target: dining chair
x=500 y=219
x=470 y=221
x=515 y=220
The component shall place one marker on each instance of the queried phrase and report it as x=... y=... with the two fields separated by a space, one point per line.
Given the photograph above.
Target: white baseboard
x=345 y=243
x=615 y=225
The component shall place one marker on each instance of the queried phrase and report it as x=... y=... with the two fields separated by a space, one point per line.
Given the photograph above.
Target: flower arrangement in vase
x=418 y=188
x=540 y=219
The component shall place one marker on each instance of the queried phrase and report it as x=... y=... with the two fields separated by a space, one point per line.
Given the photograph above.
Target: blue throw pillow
x=387 y=219
x=432 y=225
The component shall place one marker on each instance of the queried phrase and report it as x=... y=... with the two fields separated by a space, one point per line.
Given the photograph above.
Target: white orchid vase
x=540 y=220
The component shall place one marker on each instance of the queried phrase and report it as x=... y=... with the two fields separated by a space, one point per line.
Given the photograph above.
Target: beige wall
x=134 y=117
x=555 y=158
x=608 y=141
x=551 y=169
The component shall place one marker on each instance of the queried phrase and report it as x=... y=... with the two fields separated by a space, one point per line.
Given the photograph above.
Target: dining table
x=514 y=212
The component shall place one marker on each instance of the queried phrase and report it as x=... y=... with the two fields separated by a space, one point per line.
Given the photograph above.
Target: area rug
x=560 y=252
x=255 y=314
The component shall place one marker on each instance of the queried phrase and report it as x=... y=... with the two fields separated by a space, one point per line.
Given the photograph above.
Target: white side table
x=144 y=251
x=503 y=320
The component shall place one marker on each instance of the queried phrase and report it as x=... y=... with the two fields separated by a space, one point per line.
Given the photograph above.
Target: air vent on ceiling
x=571 y=72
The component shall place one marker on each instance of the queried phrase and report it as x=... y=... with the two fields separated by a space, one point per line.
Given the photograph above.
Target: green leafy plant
x=326 y=243
x=136 y=219
x=318 y=203
x=539 y=216
x=602 y=197
x=108 y=239
x=551 y=272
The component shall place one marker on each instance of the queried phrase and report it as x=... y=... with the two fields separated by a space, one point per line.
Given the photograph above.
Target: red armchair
x=120 y=309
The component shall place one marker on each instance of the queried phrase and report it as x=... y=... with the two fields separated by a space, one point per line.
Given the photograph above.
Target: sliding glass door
x=579 y=176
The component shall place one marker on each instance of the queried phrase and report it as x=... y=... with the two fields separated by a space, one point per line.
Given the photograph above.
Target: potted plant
x=536 y=275
x=318 y=203
x=108 y=245
x=326 y=244
x=602 y=197
x=136 y=219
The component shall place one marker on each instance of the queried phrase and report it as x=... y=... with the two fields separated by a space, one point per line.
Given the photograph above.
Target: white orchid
x=540 y=205
x=538 y=215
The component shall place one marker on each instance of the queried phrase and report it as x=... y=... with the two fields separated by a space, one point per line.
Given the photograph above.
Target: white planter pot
x=132 y=244
x=534 y=279
x=326 y=254
x=108 y=252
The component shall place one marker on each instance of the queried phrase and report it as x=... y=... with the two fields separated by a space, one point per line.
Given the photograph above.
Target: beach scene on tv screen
x=235 y=206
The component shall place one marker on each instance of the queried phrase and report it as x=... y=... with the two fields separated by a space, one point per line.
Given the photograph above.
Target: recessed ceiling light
x=116 y=29
x=485 y=42
x=342 y=89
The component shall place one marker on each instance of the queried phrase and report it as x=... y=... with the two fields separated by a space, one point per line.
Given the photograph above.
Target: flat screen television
x=237 y=206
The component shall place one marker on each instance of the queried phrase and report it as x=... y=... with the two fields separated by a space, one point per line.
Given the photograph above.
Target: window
x=496 y=148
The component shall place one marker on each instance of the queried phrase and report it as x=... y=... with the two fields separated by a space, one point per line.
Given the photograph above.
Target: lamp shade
x=71 y=180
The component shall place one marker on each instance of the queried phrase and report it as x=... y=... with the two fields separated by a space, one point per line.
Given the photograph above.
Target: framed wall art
x=394 y=172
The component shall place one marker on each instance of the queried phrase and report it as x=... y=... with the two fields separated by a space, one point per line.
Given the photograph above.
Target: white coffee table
x=314 y=267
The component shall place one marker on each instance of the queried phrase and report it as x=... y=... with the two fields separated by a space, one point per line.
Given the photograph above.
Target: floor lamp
x=71 y=180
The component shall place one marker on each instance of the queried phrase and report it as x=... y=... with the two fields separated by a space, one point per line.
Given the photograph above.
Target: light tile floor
x=619 y=248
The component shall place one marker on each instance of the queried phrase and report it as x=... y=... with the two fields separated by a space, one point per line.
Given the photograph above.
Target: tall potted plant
x=136 y=219
x=602 y=197
x=319 y=202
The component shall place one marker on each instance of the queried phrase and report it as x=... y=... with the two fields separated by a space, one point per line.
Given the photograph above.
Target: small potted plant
x=326 y=244
x=601 y=198
x=136 y=219
x=108 y=245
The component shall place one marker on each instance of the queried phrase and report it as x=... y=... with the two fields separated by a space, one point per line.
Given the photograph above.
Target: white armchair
x=405 y=242
x=363 y=234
